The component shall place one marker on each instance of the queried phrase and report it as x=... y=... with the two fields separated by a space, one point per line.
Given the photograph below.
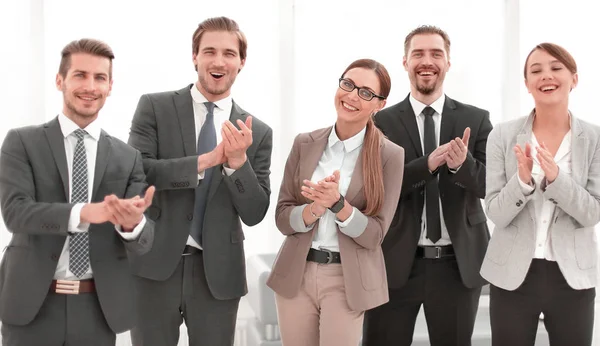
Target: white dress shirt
x=90 y=141
x=438 y=106
x=338 y=155
x=544 y=209
x=221 y=113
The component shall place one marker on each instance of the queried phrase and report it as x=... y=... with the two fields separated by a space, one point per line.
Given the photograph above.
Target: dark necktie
x=79 y=255
x=207 y=141
x=432 y=193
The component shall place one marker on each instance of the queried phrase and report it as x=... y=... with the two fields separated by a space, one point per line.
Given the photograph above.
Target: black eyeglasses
x=363 y=93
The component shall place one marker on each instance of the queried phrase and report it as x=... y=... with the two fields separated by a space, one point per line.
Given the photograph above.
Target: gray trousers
x=185 y=296
x=63 y=320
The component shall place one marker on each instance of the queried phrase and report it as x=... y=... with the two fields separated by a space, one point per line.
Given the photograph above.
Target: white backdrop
x=297 y=50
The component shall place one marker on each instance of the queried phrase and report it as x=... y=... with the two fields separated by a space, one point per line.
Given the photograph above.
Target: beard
x=426 y=90
x=81 y=112
x=215 y=90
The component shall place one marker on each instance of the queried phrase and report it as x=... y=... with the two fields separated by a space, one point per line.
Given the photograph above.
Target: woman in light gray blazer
x=543 y=195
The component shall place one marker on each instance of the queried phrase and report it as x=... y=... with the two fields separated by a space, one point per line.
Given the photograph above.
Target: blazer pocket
x=286 y=256
x=476 y=218
x=586 y=248
x=153 y=212
x=371 y=268
x=237 y=236
x=501 y=244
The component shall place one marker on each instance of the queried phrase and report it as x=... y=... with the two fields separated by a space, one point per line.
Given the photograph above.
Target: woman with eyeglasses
x=543 y=195
x=340 y=189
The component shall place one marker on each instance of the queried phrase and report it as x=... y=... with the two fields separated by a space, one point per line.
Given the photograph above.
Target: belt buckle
x=438 y=252
x=329 y=255
x=67 y=287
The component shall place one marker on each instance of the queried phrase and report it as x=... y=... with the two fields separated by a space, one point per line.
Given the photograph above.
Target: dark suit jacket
x=34 y=195
x=163 y=129
x=460 y=193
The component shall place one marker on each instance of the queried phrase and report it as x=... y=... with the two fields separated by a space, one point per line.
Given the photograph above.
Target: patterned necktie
x=79 y=256
x=207 y=141
x=432 y=193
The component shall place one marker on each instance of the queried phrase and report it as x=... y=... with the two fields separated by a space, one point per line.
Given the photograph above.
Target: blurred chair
x=263 y=329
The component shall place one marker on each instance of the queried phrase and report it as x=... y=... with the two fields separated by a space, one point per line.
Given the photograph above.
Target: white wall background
x=297 y=50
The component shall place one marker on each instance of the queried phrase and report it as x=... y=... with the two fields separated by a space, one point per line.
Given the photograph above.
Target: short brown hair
x=427 y=30
x=557 y=52
x=219 y=24
x=86 y=46
x=371 y=153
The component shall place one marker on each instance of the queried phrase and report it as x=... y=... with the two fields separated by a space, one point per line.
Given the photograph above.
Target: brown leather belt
x=72 y=287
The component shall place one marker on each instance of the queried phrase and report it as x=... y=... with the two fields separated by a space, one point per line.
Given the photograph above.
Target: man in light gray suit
x=209 y=161
x=69 y=195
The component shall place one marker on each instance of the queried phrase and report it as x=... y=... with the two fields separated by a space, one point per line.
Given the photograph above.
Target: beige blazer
x=577 y=200
x=362 y=258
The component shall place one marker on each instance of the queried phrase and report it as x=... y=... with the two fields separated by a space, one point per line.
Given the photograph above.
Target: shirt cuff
x=297 y=222
x=453 y=171
x=345 y=223
x=228 y=171
x=133 y=235
x=526 y=188
x=75 y=224
x=201 y=175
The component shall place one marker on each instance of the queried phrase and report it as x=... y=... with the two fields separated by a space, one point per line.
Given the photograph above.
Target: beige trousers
x=319 y=314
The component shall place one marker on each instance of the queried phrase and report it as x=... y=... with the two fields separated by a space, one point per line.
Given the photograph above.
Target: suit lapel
x=449 y=118
x=56 y=142
x=409 y=120
x=579 y=152
x=356 y=182
x=310 y=154
x=523 y=138
x=217 y=178
x=102 y=159
x=185 y=113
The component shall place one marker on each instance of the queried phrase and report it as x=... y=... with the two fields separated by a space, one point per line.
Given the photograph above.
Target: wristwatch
x=337 y=206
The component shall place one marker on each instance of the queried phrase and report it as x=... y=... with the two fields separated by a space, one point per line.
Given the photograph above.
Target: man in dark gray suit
x=69 y=195
x=209 y=161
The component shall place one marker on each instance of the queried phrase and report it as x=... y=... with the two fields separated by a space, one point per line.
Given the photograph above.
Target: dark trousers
x=185 y=296
x=63 y=320
x=450 y=307
x=568 y=313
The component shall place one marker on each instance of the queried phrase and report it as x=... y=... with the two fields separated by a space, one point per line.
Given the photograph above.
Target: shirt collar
x=67 y=126
x=418 y=106
x=199 y=98
x=351 y=143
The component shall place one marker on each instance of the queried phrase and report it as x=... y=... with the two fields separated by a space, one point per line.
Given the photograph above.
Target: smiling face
x=218 y=63
x=85 y=86
x=426 y=63
x=351 y=109
x=547 y=79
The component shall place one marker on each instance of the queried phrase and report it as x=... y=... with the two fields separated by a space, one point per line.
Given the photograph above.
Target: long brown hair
x=371 y=151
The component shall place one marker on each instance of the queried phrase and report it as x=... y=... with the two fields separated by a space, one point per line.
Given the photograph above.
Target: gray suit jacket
x=34 y=195
x=163 y=129
x=577 y=200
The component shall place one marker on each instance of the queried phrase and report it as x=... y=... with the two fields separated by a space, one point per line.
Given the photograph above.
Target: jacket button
x=190 y=217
